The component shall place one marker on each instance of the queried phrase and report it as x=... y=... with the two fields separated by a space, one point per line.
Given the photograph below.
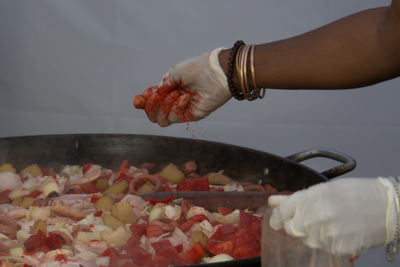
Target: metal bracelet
x=392 y=247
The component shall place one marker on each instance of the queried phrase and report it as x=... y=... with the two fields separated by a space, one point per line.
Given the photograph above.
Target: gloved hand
x=189 y=91
x=343 y=216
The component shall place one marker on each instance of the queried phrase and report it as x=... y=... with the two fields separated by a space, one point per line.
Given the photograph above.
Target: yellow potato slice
x=104 y=203
x=117 y=188
x=123 y=212
x=172 y=173
x=111 y=221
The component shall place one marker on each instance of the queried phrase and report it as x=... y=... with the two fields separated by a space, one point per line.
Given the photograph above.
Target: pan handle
x=348 y=162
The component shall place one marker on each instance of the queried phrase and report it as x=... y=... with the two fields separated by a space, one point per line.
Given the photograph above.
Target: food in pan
x=92 y=216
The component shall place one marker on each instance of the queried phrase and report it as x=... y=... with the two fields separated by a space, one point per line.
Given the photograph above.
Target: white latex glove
x=344 y=216
x=189 y=91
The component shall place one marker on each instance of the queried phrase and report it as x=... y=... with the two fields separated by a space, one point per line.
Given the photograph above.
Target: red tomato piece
x=161 y=245
x=124 y=167
x=161 y=261
x=94 y=198
x=86 y=167
x=45 y=171
x=60 y=257
x=53 y=241
x=34 y=241
x=4 y=196
x=98 y=213
x=194 y=184
x=247 y=219
x=33 y=194
x=179 y=247
x=123 y=176
x=89 y=188
x=224 y=211
x=138 y=256
x=155 y=201
x=241 y=252
x=153 y=231
x=138 y=229
x=112 y=253
x=194 y=253
x=186 y=225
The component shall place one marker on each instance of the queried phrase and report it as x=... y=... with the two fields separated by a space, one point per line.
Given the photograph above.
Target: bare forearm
x=356 y=51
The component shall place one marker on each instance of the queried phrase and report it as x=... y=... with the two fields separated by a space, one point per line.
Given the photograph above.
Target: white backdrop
x=75 y=66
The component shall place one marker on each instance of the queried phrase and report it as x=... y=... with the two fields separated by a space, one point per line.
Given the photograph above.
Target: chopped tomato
x=221 y=248
x=194 y=253
x=60 y=257
x=161 y=245
x=94 y=198
x=86 y=167
x=89 y=188
x=194 y=219
x=4 y=196
x=247 y=219
x=217 y=189
x=224 y=211
x=112 y=253
x=98 y=213
x=124 y=167
x=241 y=252
x=155 y=201
x=53 y=241
x=124 y=176
x=161 y=261
x=45 y=171
x=186 y=225
x=138 y=229
x=179 y=247
x=138 y=255
x=153 y=230
x=194 y=184
x=34 y=242
x=34 y=194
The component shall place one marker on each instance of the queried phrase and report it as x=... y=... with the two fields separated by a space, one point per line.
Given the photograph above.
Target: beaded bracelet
x=236 y=93
x=238 y=63
x=392 y=247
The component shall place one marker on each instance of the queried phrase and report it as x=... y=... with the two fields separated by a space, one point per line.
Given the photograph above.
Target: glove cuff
x=213 y=60
x=392 y=215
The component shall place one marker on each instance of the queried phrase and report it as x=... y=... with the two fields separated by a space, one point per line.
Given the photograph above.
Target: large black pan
x=109 y=150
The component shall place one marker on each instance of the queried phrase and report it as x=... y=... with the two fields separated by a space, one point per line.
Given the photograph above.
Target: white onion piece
x=9 y=180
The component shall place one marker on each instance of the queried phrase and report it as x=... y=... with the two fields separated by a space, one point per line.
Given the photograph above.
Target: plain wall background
x=75 y=66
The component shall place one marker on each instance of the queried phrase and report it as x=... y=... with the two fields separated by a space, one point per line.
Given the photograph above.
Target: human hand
x=189 y=91
x=343 y=217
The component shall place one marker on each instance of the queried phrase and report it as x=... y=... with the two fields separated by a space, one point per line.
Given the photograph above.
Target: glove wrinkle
x=344 y=216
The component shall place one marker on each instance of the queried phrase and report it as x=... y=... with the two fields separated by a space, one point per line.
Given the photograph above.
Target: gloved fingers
x=178 y=110
x=294 y=229
x=140 y=100
x=152 y=106
x=165 y=108
x=275 y=200
x=312 y=243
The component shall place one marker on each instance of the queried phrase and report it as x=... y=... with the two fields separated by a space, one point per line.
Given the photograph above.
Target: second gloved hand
x=189 y=91
x=343 y=217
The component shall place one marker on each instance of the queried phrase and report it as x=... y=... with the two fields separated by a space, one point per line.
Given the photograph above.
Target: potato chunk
x=27 y=202
x=123 y=212
x=172 y=173
x=102 y=184
x=33 y=169
x=117 y=188
x=104 y=203
x=111 y=221
x=39 y=225
x=7 y=167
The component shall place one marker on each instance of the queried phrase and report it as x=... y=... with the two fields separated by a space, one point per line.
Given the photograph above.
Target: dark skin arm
x=356 y=51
